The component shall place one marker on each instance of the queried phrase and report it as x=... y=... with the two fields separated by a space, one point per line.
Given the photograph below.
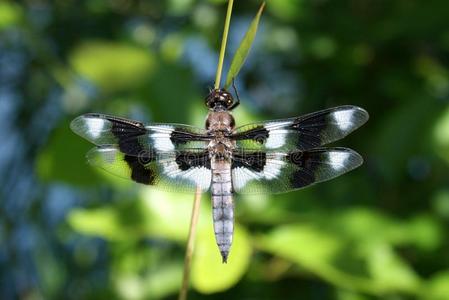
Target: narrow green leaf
x=242 y=52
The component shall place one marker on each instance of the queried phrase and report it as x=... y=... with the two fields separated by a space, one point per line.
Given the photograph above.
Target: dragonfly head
x=219 y=99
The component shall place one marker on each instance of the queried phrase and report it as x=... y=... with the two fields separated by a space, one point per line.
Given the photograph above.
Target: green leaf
x=112 y=66
x=327 y=256
x=102 y=222
x=158 y=214
x=438 y=287
x=169 y=213
x=209 y=274
x=242 y=52
x=10 y=14
x=156 y=283
x=63 y=158
x=169 y=217
x=389 y=270
x=305 y=245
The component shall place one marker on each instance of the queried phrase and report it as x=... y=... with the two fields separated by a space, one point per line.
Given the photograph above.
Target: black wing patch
x=302 y=133
x=169 y=156
x=254 y=161
x=133 y=136
x=174 y=171
x=187 y=160
x=277 y=172
x=139 y=173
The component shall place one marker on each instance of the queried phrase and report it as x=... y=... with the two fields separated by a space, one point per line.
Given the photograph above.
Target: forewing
x=180 y=171
x=258 y=172
x=302 y=133
x=133 y=137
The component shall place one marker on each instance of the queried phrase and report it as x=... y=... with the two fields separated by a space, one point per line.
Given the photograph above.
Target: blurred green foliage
x=72 y=232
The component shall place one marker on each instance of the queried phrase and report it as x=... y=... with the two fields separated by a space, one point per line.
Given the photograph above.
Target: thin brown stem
x=190 y=245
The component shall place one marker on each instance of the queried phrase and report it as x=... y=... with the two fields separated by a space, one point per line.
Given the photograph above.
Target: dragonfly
x=267 y=157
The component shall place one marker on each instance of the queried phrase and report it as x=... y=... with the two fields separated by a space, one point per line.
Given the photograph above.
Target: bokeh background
x=68 y=231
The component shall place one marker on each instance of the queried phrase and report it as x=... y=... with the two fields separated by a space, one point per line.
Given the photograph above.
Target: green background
x=68 y=231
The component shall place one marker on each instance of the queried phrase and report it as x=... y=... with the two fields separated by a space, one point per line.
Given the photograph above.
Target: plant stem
x=190 y=245
x=197 y=200
x=223 y=44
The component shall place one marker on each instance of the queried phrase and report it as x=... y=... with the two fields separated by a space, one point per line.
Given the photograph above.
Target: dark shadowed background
x=68 y=231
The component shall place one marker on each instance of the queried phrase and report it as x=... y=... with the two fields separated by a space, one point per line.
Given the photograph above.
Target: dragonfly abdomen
x=222 y=205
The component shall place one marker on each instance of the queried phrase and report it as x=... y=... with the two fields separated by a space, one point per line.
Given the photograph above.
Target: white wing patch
x=338 y=159
x=343 y=118
x=94 y=127
x=161 y=138
x=201 y=176
x=272 y=169
x=276 y=137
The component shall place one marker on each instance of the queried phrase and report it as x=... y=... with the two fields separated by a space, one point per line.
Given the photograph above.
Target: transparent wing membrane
x=301 y=133
x=277 y=172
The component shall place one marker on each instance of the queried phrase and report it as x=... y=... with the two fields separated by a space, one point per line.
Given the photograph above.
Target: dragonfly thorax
x=220 y=121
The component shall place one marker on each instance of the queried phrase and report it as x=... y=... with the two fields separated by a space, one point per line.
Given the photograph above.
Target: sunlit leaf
x=324 y=255
x=100 y=222
x=160 y=215
x=438 y=287
x=169 y=217
x=209 y=274
x=364 y=224
x=165 y=282
x=369 y=226
x=302 y=244
x=389 y=270
x=10 y=14
x=242 y=52
x=155 y=284
x=169 y=213
x=425 y=232
x=316 y=251
x=112 y=66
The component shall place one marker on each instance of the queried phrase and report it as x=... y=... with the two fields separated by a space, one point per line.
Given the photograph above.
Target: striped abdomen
x=222 y=204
